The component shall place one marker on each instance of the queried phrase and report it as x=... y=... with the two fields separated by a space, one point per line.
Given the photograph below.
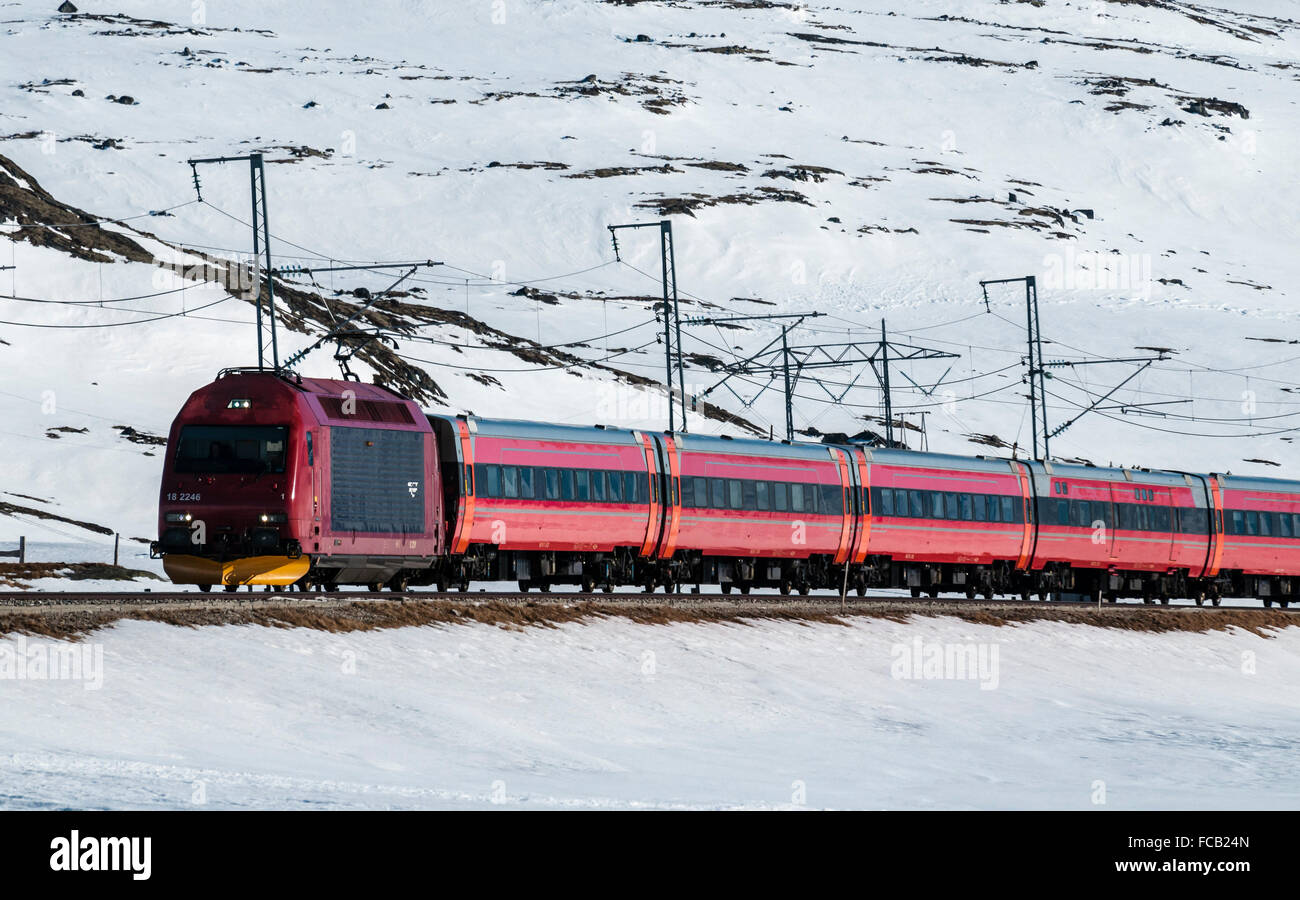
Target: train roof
x=548 y=431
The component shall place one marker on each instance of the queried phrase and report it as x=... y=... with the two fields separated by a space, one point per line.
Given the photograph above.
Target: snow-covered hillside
x=864 y=160
x=628 y=716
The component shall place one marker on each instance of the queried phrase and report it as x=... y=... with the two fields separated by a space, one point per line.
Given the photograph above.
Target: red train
x=283 y=481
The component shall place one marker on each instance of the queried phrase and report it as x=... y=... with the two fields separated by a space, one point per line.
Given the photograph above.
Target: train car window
x=1062 y=512
x=598 y=486
x=735 y=499
x=884 y=501
x=831 y=501
x=796 y=497
x=1161 y=519
x=695 y=493
x=916 y=504
x=526 y=482
x=1264 y=523
x=566 y=484
x=1295 y=524
x=615 y=488
x=995 y=509
x=215 y=449
x=762 y=495
x=717 y=493
x=951 y=507
x=967 y=508
x=311 y=455
x=977 y=503
x=867 y=504
x=934 y=508
x=493 y=481
x=1252 y=522
x=1236 y=522
x=780 y=496
x=552 y=484
x=581 y=484
x=632 y=482
x=750 y=496
x=1009 y=510
x=509 y=481
x=1284 y=524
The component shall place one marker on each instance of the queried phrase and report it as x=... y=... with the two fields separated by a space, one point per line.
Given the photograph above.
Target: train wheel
x=588 y=584
x=1285 y=604
x=744 y=588
x=1268 y=601
x=544 y=587
x=443 y=585
x=862 y=590
x=784 y=587
x=726 y=587
x=525 y=585
x=1215 y=599
x=399 y=584
x=607 y=588
x=970 y=592
x=375 y=587
x=805 y=589
x=916 y=593
x=1200 y=599
x=203 y=588
x=1164 y=599
x=230 y=588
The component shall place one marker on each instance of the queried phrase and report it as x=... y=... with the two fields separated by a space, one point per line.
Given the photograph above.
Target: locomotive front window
x=218 y=449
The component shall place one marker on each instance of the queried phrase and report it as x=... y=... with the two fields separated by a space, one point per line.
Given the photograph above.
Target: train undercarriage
x=691 y=571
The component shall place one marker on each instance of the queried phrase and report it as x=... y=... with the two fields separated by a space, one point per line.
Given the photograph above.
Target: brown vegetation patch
x=350 y=616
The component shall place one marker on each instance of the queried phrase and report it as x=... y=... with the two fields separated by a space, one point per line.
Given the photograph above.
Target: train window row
x=1263 y=524
x=547 y=483
x=750 y=495
x=1125 y=516
x=906 y=503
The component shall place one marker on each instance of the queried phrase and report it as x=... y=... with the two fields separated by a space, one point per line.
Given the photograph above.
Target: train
x=294 y=483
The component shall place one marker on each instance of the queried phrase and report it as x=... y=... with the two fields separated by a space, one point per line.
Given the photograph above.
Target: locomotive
x=284 y=481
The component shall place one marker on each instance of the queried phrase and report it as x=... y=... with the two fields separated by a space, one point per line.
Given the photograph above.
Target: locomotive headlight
x=177 y=517
x=240 y=404
x=275 y=518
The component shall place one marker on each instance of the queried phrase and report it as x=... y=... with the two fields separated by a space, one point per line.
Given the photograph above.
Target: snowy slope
x=823 y=152
x=620 y=715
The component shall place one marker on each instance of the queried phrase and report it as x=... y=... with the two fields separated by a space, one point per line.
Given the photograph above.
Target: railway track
x=29 y=602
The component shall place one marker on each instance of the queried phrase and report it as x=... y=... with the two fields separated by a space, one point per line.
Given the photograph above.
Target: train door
x=654 y=519
x=862 y=531
x=1118 y=492
x=1215 y=526
x=849 y=505
x=670 y=493
x=1029 y=537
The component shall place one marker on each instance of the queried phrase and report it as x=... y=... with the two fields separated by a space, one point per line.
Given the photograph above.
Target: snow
x=688 y=716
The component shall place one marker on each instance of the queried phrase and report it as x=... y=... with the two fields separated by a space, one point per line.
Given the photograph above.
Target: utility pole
x=261 y=245
x=1037 y=369
x=1037 y=373
x=672 y=315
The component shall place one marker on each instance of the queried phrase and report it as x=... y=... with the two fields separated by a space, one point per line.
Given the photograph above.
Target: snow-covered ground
x=626 y=716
